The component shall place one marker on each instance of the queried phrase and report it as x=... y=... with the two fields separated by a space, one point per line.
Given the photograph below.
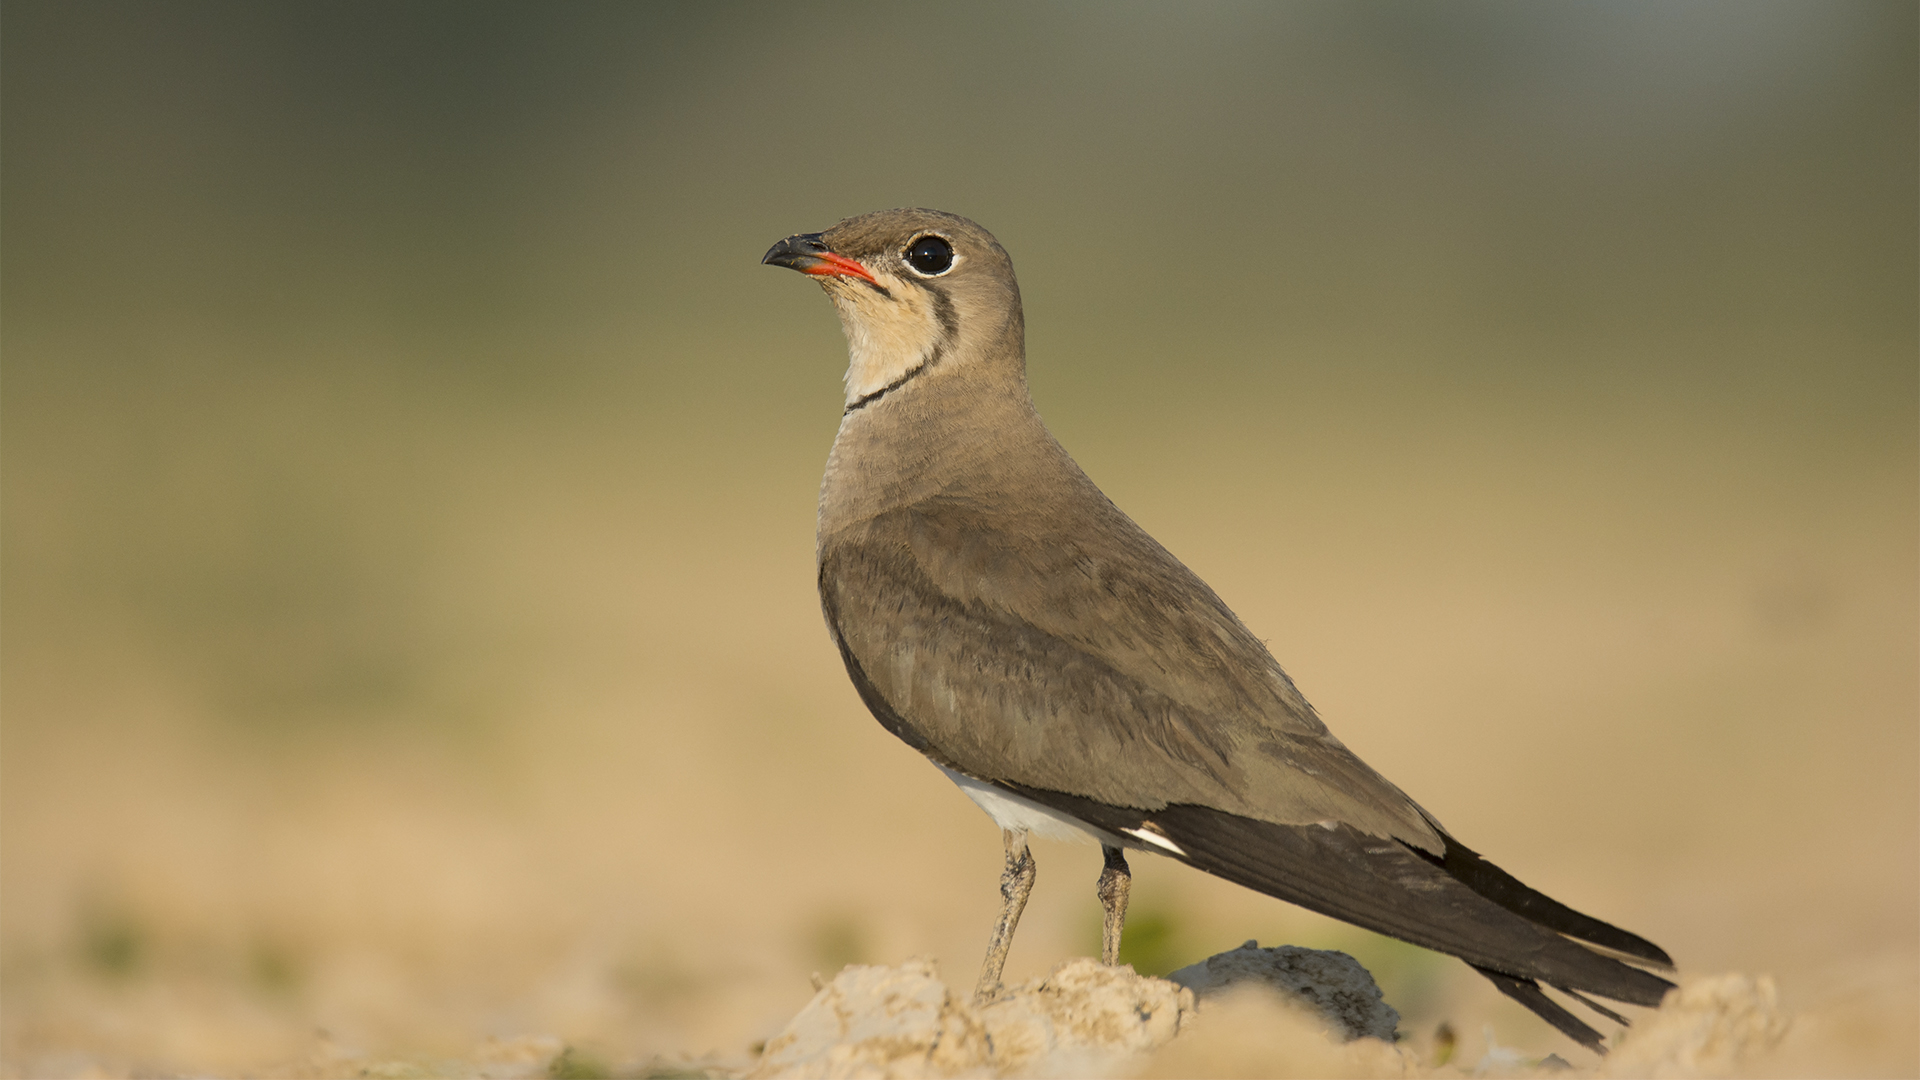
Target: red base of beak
x=831 y=265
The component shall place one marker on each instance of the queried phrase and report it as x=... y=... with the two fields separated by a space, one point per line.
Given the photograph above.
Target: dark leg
x=1016 y=881
x=1115 y=880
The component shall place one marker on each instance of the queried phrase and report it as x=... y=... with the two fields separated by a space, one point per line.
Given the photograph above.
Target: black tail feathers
x=1466 y=866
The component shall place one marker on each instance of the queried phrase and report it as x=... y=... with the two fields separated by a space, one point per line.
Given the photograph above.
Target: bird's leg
x=1016 y=881
x=1115 y=880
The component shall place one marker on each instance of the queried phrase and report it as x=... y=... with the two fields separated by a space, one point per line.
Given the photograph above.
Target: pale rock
x=1081 y=1019
x=1706 y=1027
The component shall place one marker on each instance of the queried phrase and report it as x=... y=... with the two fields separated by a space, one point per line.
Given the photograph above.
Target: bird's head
x=915 y=289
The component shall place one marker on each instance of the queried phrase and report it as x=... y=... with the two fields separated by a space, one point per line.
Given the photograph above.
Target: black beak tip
x=795 y=251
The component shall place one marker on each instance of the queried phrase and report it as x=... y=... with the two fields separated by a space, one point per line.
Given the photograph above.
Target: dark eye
x=930 y=255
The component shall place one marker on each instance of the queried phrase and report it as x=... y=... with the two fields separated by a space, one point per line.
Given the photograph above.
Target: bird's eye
x=930 y=255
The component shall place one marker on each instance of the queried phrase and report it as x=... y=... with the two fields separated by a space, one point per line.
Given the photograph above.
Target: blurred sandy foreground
x=465 y=743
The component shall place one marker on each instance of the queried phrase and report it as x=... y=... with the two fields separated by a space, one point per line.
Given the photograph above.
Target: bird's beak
x=807 y=253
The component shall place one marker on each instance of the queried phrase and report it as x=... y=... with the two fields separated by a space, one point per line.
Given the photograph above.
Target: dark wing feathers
x=1377 y=883
x=1504 y=889
x=1393 y=889
x=1594 y=1005
x=1528 y=993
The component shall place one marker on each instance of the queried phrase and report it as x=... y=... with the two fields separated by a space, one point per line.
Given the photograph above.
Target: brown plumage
x=998 y=613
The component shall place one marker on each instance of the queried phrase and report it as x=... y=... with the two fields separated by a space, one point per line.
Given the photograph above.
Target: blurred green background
x=408 y=477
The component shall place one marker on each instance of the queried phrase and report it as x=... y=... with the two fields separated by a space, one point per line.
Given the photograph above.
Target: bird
x=999 y=614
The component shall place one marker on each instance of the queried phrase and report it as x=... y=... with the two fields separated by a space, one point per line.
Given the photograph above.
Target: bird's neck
x=956 y=433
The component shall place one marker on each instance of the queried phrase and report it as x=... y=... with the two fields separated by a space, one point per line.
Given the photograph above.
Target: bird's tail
x=1457 y=903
